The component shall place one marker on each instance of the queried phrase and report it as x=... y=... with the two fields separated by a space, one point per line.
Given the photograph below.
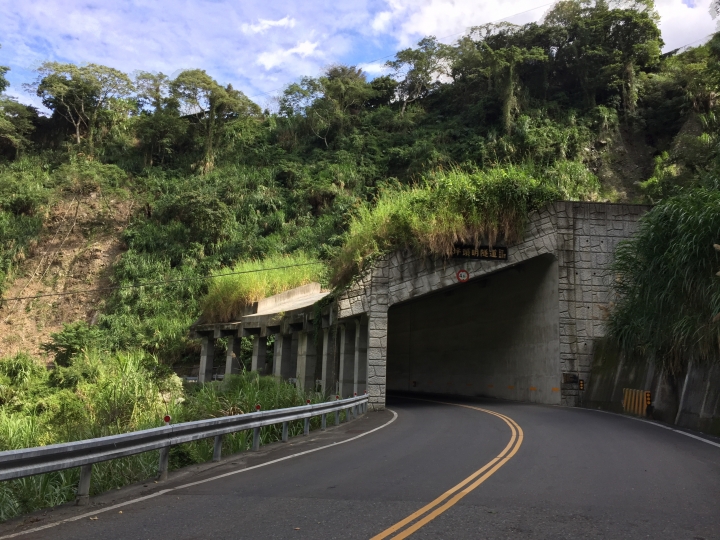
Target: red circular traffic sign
x=462 y=275
x=167 y=418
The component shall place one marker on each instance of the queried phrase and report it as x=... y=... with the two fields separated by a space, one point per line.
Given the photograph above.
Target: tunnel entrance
x=497 y=336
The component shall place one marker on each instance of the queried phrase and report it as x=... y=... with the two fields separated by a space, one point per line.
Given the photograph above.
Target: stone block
x=375 y=354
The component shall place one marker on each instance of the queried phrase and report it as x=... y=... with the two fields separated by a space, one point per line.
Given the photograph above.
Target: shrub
x=83 y=176
x=73 y=338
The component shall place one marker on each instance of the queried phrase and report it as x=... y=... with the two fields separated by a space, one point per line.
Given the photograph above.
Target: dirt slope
x=80 y=241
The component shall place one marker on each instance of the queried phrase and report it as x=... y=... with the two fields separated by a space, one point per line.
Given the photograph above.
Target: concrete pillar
x=258 y=354
x=232 y=358
x=377 y=336
x=283 y=365
x=292 y=365
x=347 y=360
x=306 y=360
x=207 y=355
x=360 y=376
x=329 y=375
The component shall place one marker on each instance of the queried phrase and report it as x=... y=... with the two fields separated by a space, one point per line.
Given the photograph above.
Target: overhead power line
x=158 y=283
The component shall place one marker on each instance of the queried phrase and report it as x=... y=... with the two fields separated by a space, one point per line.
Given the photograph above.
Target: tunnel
x=493 y=336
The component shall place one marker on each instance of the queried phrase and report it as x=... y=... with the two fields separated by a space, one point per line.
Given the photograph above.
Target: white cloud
x=682 y=25
x=264 y=24
x=382 y=21
x=374 y=68
x=277 y=58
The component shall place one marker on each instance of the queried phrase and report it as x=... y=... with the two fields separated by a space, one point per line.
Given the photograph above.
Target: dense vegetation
x=458 y=142
x=666 y=275
x=97 y=394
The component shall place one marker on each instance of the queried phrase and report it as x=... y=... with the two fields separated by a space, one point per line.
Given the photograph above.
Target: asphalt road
x=574 y=473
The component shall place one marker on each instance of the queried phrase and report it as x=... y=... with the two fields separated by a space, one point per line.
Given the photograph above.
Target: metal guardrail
x=57 y=457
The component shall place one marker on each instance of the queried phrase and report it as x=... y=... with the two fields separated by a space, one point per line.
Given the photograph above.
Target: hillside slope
x=80 y=240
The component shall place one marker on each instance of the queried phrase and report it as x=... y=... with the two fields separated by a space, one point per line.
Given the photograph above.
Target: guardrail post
x=256 y=439
x=285 y=432
x=323 y=422
x=163 y=464
x=306 y=431
x=337 y=418
x=83 y=492
x=217 y=448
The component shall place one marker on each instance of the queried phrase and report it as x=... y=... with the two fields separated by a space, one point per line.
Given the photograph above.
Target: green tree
x=15 y=119
x=4 y=83
x=212 y=105
x=81 y=94
x=488 y=53
x=159 y=125
x=418 y=70
x=329 y=103
x=16 y=125
x=603 y=45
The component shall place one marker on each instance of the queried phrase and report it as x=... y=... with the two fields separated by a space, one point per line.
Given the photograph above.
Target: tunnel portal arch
x=496 y=335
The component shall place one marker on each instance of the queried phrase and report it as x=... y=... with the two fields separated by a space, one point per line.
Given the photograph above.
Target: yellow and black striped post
x=636 y=401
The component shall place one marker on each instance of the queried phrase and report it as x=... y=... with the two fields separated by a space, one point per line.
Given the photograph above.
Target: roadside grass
x=227 y=296
x=99 y=393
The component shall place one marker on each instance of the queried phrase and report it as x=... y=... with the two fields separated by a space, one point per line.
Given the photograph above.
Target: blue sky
x=257 y=46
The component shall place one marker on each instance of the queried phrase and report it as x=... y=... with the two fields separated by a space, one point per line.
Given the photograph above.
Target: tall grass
x=99 y=394
x=228 y=295
x=449 y=207
x=669 y=295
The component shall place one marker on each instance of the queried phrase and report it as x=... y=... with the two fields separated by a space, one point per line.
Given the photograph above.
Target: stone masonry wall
x=587 y=235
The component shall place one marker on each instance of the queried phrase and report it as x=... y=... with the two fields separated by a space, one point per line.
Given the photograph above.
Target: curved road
x=549 y=472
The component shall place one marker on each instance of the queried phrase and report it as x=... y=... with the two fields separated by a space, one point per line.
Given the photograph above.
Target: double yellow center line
x=452 y=496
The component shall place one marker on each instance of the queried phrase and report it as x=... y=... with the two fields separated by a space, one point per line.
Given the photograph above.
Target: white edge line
x=702 y=439
x=183 y=486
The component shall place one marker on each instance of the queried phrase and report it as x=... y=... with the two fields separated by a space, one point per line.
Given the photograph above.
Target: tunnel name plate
x=464 y=251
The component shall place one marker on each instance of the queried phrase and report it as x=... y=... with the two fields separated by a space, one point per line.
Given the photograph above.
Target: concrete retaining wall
x=696 y=393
